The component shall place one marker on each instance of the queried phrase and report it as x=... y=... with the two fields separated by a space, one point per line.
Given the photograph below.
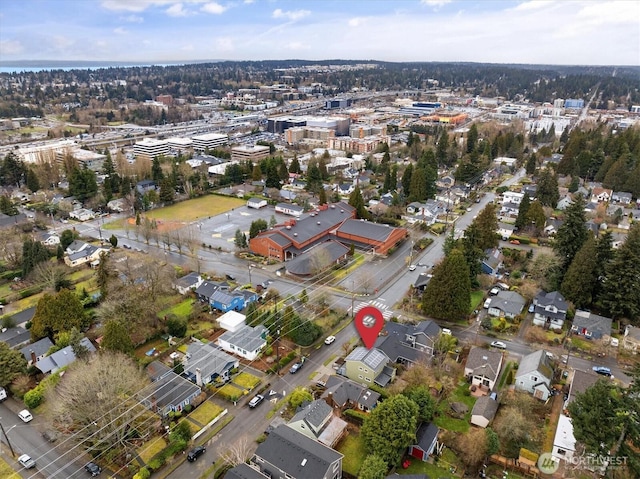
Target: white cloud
x=176 y=10
x=120 y=31
x=214 y=8
x=132 y=19
x=436 y=3
x=249 y=2
x=141 y=5
x=532 y=5
x=297 y=46
x=291 y=15
x=10 y=47
x=357 y=21
x=60 y=41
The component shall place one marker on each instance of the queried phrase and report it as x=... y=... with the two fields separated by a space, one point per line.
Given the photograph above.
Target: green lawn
x=159 y=344
x=246 y=380
x=205 y=413
x=476 y=299
x=436 y=470
x=6 y=471
x=444 y=420
x=151 y=448
x=505 y=374
x=181 y=310
x=354 y=451
x=190 y=210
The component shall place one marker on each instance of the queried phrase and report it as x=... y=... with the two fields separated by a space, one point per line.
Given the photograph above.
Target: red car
x=514 y=242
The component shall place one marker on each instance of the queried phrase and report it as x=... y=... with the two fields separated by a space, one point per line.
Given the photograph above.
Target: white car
x=25 y=415
x=498 y=345
x=329 y=340
x=26 y=461
x=487 y=303
x=412 y=267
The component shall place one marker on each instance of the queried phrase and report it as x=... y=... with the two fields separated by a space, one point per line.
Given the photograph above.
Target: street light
x=353 y=295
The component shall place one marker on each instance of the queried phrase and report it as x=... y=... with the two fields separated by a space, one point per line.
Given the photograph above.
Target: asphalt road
x=53 y=461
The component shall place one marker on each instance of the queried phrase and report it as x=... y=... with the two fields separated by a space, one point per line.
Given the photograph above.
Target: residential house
x=207 y=288
x=118 y=205
x=318 y=259
x=232 y=300
x=205 y=363
x=505 y=230
x=367 y=366
x=483 y=367
x=591 y=326
x=512 y=197
x=564 y=203
x=531 y=190
x=287 y=195
x=145 y=186
x=232 y=321
x=552 y=226
x=245 y=471
x=601 y=195
x=621 y=197
x=426 y=441
x=564 y=442
x=550 y=310
x=7 y=221
x=425 y=212
x=34 y=352
x=168 y=391
x=484 y=410
x=316 y=421
x=62 y=358
x=82 y=214
x=407 y=343
x=187 y=283
x=631 y=340
x=246 y=342
x=342 y=394
x=422 y=281
x=535 y=374
x=50 y=239
x=580 y=382
x=288 y=454
x=15 y=337
x=506 y=304
x=492 y=261
x=79 y=253
x=345 y=189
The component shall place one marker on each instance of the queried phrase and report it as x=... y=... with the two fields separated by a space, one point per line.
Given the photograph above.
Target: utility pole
x=13 y=454
x=250 y=274
x=353 y=295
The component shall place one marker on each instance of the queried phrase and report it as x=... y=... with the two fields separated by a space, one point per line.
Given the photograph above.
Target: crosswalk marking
x=387 y=314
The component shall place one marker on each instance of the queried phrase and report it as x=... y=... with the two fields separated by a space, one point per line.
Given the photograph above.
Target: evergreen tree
x=406 y=179
x=450 y=242
x=57 y=313
x=294 y=167
x=322 y=197
x=7 y=207
x=33 y=252
x=621 y=288
x=418 y=188
x=108 y=167
x=531 y=164
x=604 y=255
x=167 y=192
x=357 y=201
x=536 y=218
x=472 y=138
x=487 y=223
x=240 y=239
x=82 y=183
x=256 y=227
x=473 y=252
x=116 y=337
x=373 y=467
x=578 y=283
x=394 y=178
x=448 y=294
x=548 y=194
x=572 y=233
x=283 y=172
x=156 y=170
x=32 y=180
x=12 y=364
x=521 y=220
x=442 y=148
x=12 y=170
x=314 y=178
x=256 y=174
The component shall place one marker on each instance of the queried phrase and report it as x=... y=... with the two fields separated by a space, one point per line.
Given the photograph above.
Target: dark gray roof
x=15 y=336
x=224 y=297
x=157 y=370
x=366 y=229
x=188 y=280
x=544 y=300
x=296 y=454
x=486 y=407
x=509 y=302
x=24 y=316
x=483 y=362
x=63 y=357
x=208 y=358
x=423 y=280
x=537 y=361
x=246 y=338
x=39 y=348
x=598 y=325
x=6 y=220
x=426 y=434
x=398 y=340
x=384 y=378
x=207 y=288
x=307 y=227
x=581 y=382
x=343 y=391
x=314 y=414
x=170 y=390
x=317 y=258
x=492 y=257
x=278 y=238
x=244 y=471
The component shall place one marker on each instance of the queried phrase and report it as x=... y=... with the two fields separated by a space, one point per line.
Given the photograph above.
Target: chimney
x=198 y=377
x=33 y=357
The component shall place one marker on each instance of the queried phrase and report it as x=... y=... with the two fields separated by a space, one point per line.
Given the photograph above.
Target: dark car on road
x=602 y=370
x=295 y=368
x=93 y=469
x=195 y=453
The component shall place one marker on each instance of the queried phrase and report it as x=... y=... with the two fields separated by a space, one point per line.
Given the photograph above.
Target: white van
x=3 y=394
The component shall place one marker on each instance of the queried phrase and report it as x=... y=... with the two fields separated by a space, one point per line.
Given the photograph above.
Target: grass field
x=354 y=452
x=449 y=423
x=440 y=470
x=246 y=380
x=191 y=210
x=6 y=472
x=476 y=298
x=181 y=310
x=206 y=412
x=151 y=448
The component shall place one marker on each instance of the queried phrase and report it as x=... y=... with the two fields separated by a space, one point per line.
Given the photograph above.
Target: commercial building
x=252 y=153
x=85 y=158
x=209 y=141
x=150 y=148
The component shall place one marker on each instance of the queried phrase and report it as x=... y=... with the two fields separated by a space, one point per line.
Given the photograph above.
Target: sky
x=558 y=32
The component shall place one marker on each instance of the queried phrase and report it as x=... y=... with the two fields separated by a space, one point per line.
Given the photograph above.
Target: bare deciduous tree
x=99 y=401
x=50 y=274
x=238 y=452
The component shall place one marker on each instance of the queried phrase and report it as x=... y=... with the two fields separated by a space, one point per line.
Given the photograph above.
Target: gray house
x=407 y=343
x=36 y=351
x=205 y=363
x=342 y=393
x=246 y=342
x=506 y=304
x=288 y=454
x=550 y=310
x=535 y=374
x=317 y=421
x=62 y=358
x=168 y=391
x=483 y=367
x=590 y=325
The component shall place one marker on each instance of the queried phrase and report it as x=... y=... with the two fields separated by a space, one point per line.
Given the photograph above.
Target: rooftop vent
x=318 y=222
x=288 y=227
x=484 y=358
x=304 y=461
x=341 y=211
x=333 y=207
x=295 y=234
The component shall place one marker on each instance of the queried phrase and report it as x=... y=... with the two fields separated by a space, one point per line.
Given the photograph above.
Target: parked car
x=495 y=290
x=26 y=461
x=498 y=345
x=50 y=435
x=329 y=340
x=93 y=469
x=602 y=370
x=257 y=399
x=412 y=267
x=195 y=453
x=295 y=368
x=514 y=241
x=564 y=358
x=532 y=308
x=25 y=415
x=487 y=303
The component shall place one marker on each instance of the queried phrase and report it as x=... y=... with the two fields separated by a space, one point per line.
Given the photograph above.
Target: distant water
x=39 y=68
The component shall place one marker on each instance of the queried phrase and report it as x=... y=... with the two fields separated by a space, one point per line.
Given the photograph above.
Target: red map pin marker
x=369 y=322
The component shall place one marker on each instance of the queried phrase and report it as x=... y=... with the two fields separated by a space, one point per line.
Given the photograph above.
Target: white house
x=291 y=210
x=550 y=310
x=232 y=321
x=82 y=214
x=506 y=303
x=484 y=410
x=246 y=342
x=512 y=197
x=564 y=442
x=50 y=239
x=256 y=203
